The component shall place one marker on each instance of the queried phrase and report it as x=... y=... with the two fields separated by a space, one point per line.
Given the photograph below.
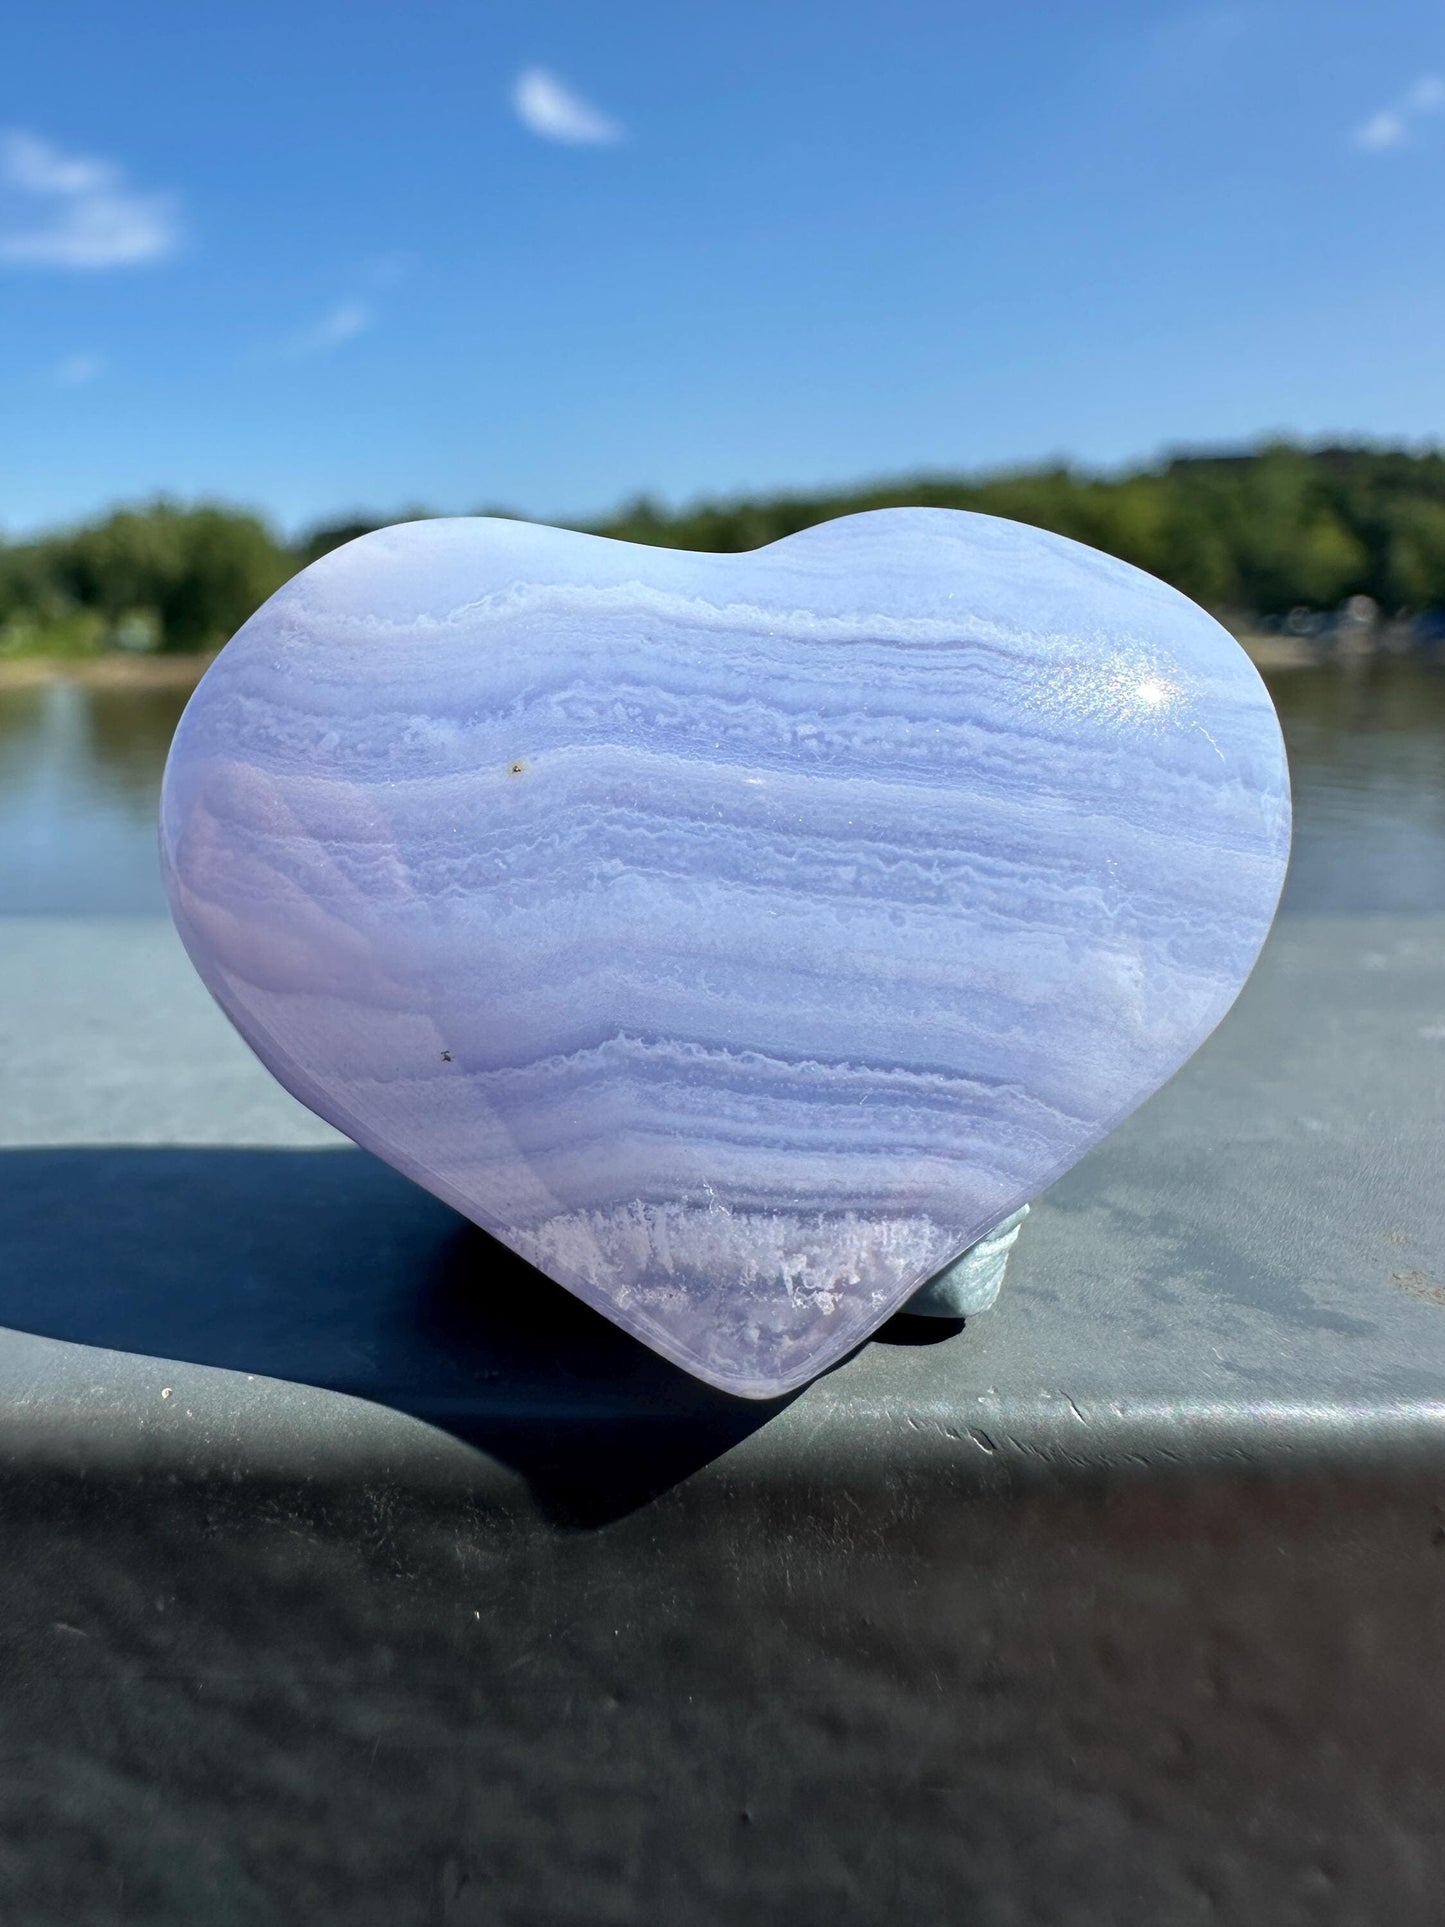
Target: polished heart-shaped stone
x=737 y=937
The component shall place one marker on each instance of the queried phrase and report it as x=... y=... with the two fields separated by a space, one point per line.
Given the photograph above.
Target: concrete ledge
x=351 y=1573
x=1251 y=1271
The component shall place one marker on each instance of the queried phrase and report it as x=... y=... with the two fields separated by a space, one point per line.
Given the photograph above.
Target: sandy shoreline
x=105 y=672
x=185 y=671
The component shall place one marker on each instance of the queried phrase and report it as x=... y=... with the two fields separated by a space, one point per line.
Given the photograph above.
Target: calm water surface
x=80 y=775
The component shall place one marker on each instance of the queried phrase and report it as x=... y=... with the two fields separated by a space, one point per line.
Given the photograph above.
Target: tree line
x=1251 y=535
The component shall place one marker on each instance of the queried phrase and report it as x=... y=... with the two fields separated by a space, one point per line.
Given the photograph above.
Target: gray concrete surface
x=1263 y=1242
x=353 y=1573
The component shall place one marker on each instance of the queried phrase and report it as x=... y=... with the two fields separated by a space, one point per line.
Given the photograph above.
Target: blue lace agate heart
x=735 y=937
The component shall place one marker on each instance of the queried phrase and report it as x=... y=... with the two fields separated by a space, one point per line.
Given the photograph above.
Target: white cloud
x=549 y=107
x=1385 y=129
x=1393 y=125
x=344 y=323
x=60 y=210
x=76 y=370
x=350 y=319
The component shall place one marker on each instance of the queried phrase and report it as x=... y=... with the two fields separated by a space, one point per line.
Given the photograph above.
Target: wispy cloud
x=549 y=108
x=76 y=370
x=60 y=210
x=343 y=323
x=1393 y=125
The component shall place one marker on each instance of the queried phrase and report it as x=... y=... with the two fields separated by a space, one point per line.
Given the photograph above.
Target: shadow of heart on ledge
x=328 y=1268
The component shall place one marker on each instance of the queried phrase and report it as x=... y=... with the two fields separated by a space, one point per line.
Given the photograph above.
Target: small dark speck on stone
x=517 y=769
x=446 y=1057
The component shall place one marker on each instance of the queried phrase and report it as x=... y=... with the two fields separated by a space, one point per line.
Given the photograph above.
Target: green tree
x=1250 y=531
x=199 y=571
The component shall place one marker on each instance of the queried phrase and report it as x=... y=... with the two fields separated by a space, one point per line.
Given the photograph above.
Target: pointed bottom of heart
x=754 y=1302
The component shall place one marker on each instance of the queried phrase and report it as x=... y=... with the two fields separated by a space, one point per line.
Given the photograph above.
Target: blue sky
x=315 y=255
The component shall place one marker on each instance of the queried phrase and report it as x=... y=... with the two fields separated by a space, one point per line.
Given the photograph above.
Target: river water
x=80 y=774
